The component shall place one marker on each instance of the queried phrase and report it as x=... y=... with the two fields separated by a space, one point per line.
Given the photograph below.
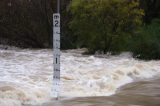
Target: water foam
x=26 y=75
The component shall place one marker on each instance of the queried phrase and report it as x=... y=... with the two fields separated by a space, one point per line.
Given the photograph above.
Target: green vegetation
x=26 y=23
x=103 y=24
x=146 y=45
x=99 y=25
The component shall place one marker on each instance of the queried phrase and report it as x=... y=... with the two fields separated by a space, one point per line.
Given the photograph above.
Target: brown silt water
x=93 y=80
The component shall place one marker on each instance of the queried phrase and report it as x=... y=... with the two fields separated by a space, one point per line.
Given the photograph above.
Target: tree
x=67 y=41
x=151 y=8
x=146 y=45
x=103 y=24
x=26 y=23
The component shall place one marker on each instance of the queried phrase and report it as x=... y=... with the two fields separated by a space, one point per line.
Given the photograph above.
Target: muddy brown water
x=140 y=93
x=26 y=78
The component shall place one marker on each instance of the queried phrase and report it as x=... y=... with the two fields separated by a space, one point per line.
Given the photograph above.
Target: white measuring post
x=56 y=53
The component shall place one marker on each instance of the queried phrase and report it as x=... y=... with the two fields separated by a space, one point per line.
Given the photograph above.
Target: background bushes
x=26 y=23
x=146 y=45
x=99 y=25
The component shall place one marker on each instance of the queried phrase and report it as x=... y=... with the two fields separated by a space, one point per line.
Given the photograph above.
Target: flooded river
x=141 y=93
x=26 y=79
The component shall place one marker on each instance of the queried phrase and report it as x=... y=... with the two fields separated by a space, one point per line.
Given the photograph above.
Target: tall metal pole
x=56 y=51
x=58 y=6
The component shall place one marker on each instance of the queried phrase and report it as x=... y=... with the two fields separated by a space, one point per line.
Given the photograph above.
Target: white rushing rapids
x=26 y=75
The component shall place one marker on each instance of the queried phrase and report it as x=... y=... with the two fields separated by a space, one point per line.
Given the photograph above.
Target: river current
x=86 y=80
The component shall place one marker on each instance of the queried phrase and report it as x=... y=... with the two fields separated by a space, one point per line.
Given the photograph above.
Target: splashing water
x=26 y=75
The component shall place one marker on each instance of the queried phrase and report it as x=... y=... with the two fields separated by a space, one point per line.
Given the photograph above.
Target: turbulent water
x=141 y=93
x=26 y=75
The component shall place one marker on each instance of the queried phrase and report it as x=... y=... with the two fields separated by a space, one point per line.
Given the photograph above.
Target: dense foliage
x=26 y=23
x=151 y=8
x=99 y=25
x=146 y=45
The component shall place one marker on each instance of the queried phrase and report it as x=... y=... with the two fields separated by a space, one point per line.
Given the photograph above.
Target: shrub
x=146 y=45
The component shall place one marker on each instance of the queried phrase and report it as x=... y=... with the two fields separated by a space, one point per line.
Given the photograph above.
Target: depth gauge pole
x=56 y=51
x=58 y=6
